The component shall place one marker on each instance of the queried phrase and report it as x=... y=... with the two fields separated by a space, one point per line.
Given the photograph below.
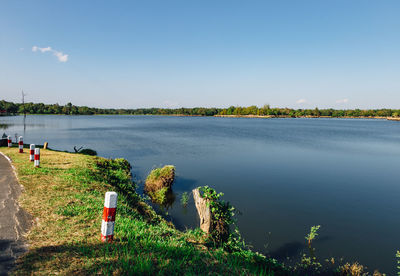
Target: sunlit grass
x=65 y=196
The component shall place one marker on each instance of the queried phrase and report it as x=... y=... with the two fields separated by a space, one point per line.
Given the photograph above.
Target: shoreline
x=304 y=117
x=65 y=196
x=223 y=116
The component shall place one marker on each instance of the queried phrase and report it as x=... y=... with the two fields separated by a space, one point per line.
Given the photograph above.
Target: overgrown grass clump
x=160 y=177
x=66 y=196
x=159 y=184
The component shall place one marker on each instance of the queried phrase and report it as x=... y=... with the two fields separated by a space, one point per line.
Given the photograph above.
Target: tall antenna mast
x=23 y=102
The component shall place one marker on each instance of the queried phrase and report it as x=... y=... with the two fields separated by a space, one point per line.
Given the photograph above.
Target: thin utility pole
x=23 y=105
x=23 y=102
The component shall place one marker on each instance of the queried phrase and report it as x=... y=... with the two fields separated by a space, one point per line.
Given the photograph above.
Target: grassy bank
x=65 y=196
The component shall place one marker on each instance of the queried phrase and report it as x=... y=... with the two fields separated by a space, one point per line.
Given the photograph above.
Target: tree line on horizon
x=10 y=108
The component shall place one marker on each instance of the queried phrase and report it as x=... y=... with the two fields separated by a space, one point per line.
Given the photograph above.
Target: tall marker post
x=9 y=142
x=109 y=211
x=21 y=144
x=32 y=152
x=37 y=157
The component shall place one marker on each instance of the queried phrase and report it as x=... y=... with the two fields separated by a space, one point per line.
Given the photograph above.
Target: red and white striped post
x=109 y=211
x=21 y=144
x=37 y=157
x=9 y=142
x=32 y=152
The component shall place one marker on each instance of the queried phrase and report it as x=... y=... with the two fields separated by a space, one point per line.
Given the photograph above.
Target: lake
x=284 y=175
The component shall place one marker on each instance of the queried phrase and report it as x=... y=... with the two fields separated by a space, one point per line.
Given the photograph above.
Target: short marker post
x=32 y=152
x=9 y=142
x=21 y=144
x=109 y=211
x=37 y=157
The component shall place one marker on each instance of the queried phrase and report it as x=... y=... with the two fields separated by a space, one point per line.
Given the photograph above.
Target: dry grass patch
x=51 y=195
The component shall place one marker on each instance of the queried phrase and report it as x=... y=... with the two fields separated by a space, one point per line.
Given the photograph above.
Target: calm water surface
x=284 y=175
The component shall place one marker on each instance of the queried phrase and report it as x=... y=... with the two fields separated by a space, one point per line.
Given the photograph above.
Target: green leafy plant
x=398 y=261
x=312 y=235
x=184 y=199
x=224 y=231
x=311 y=262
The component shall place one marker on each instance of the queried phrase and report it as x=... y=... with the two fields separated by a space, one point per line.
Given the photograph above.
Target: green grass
x=159 y=185
x=164 y=172
x=66 y=196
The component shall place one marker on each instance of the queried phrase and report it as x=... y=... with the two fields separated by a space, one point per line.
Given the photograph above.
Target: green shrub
x=88 y=152
x=313 y=234
x=224 y=231
x=116 y=172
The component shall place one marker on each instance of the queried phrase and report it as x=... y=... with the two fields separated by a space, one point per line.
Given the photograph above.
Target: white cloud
x=43 y=50
x=60 y=55
x=342 y=101
x=301 y=101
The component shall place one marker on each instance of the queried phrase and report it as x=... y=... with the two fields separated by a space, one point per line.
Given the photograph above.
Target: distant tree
x=70 y=109
x=67 y=109
x=230 y=110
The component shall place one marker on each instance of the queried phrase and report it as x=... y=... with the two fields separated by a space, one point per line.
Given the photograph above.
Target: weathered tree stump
x=203 y=209
x=160 y=178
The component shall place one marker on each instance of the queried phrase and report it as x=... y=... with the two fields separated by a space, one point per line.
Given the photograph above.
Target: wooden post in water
x=203 y=209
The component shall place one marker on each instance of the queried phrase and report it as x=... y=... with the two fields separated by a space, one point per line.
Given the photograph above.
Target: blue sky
x=300 y=54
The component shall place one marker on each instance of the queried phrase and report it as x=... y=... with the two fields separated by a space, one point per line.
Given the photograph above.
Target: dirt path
x=14 y=221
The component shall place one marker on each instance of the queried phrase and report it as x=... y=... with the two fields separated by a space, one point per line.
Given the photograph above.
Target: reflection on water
x=284 y=175
x=288 y=250
x=169 y=200
x=4 y=126
x=24 y=123
x=166 y=202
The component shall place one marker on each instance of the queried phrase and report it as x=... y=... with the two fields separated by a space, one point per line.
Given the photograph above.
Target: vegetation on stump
x=159 y=183
x=223 y=231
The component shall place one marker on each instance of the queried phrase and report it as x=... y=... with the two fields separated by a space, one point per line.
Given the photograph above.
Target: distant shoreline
x=226 y=116
x=307 y=117
x=232 y=111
